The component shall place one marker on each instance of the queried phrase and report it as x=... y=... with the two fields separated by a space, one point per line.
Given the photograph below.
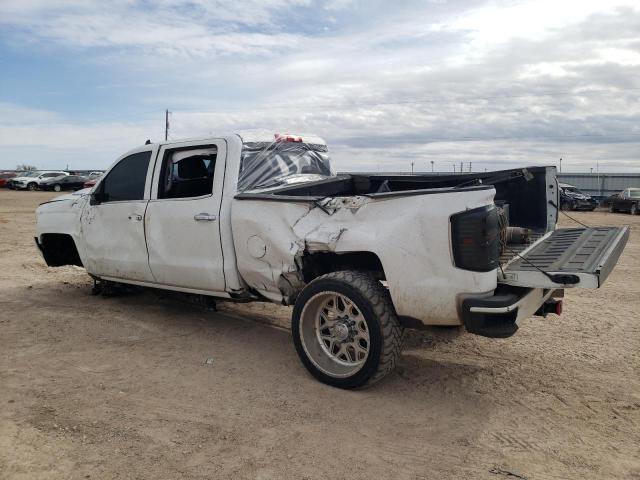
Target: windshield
x=269 y=164
x=29 y=174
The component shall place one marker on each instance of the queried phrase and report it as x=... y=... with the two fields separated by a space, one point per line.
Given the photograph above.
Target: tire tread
x=380 y=300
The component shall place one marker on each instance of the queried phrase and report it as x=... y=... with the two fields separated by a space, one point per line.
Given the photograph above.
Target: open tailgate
x=569 y=257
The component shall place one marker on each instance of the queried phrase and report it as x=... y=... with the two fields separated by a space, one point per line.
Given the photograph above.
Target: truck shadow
x=259 y=342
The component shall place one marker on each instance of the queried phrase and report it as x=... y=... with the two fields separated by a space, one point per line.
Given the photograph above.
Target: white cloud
x=556 y=78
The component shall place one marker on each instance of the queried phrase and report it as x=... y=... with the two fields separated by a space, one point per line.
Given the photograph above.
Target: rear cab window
x=284 y=161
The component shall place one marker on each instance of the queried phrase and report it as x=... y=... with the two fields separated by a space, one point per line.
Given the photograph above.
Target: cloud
x=170 y=28
x=495 y=83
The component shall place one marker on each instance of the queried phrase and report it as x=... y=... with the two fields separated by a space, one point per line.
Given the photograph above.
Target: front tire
x=57 y=188
x=32 y=186
x=612 y=209
x=634 y=209
x=345 y=329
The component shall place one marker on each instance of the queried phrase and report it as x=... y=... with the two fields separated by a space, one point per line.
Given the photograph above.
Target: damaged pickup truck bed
x=359 y=256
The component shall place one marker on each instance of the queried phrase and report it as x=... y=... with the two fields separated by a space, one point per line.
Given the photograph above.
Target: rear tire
x=345 y=329
x=57 y=188
x=634 y=209
x=612 y=209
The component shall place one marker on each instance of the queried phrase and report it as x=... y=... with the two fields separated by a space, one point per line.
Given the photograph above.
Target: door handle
x=135 y=216
x=204 y=217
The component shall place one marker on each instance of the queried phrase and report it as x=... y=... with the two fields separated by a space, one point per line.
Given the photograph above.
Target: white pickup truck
x=359 y=256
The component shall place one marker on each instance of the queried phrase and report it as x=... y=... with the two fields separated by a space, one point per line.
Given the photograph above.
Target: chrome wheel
x=334 y=334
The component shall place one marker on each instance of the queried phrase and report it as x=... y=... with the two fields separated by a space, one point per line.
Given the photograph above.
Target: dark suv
x=573 y=199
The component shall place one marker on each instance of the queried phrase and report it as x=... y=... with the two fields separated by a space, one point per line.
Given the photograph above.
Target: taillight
x=475 y=238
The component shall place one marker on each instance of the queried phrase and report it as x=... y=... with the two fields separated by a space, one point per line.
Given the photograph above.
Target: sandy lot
x=94 y=387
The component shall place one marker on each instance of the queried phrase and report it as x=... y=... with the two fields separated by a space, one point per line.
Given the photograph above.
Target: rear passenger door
x=182 y=219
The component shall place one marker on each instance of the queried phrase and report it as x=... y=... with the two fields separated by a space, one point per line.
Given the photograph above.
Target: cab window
x=187 y=172
x=126 y=180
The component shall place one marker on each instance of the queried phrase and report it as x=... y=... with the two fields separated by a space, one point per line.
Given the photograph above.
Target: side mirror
x=96 y=198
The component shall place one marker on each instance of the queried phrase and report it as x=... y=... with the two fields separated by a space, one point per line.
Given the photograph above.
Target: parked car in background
x=573 y=199
x=92 y=179
x=63 y=182
x=627 y=200
x=20 y=176
x=5 y=177
x=607 y=201
x=32 y=180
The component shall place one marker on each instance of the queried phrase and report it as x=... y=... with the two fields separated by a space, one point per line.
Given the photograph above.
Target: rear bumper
x=497 y=315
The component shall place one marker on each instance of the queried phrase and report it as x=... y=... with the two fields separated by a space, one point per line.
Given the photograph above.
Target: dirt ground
x=142 y=386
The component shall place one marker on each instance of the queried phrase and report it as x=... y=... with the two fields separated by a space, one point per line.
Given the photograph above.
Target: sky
x=390 y=86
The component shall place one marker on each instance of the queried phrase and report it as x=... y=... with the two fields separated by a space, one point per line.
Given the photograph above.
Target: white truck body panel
x=422 y=285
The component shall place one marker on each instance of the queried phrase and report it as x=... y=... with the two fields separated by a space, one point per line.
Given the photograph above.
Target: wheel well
x=316 y=264
x=59 y=249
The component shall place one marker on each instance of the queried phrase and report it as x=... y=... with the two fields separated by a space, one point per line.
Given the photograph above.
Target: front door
x=113 y=225
x=182 y=218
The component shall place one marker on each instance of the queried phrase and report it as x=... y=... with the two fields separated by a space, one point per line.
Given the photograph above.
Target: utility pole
x=560 y=165
x=591 y=170
x=432 y=166
x=412 y=166
x=166 y=125
x=469 y=166
x=461 y=166
x=454 y=168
